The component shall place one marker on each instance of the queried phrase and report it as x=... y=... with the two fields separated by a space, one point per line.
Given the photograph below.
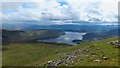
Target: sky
x=58 y=11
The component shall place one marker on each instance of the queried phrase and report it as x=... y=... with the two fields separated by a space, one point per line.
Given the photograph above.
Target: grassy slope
x=0 y=55
x=28 y=54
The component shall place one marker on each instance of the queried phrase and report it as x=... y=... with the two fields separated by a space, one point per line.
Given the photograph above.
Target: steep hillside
x=9 y=36
x=100 y=35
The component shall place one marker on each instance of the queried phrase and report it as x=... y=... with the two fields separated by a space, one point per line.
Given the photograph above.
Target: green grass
x=0 y=55
x=105 y=49
x=29 y=54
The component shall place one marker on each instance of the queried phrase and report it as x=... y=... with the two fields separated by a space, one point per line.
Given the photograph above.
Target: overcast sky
x=59 y=11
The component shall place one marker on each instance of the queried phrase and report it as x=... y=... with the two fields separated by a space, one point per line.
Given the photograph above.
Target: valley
x=61 y=47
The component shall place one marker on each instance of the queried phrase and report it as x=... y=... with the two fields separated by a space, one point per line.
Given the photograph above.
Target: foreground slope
x=90 y=54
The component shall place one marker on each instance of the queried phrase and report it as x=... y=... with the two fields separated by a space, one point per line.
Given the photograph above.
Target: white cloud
x=102 y=10
x=39 y=10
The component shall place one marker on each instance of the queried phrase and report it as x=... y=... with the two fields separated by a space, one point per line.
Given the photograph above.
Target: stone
x=97 y=60
x=87 y=50
x=81 y=58
x=105 y=58
x=94 y=55
x=49 y=62
x=97 y=48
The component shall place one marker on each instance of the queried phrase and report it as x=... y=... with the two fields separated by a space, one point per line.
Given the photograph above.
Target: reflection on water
x=67 y=38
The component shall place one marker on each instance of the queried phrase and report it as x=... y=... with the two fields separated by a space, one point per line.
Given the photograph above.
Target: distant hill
x=82 y=27
x=9 y=36
x=93 y=36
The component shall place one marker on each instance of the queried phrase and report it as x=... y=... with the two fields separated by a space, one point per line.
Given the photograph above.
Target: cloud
x=101 y=10
x=56 y=11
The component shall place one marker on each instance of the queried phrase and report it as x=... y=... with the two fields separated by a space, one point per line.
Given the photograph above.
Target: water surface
x=67 y=38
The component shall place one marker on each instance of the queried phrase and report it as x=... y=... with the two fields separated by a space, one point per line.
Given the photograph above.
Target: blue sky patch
x=63 y=3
